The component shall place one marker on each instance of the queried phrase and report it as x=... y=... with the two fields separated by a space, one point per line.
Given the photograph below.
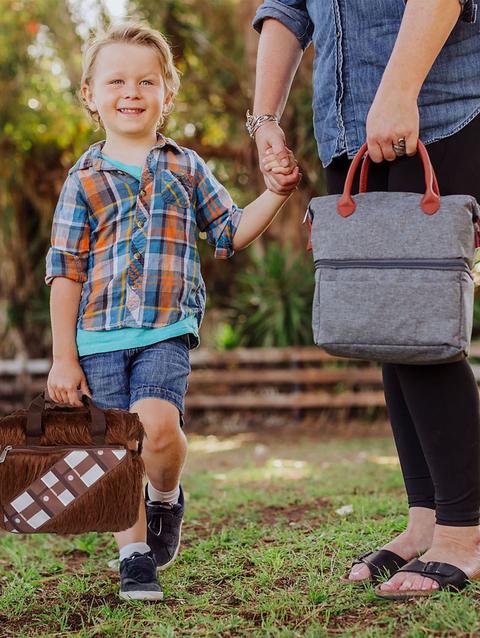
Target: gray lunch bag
x=392 y=271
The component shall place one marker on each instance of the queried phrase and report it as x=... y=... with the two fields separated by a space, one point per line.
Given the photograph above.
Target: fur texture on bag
x=112 y=503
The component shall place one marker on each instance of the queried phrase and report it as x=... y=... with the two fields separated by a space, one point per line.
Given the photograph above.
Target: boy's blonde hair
x=132 y=33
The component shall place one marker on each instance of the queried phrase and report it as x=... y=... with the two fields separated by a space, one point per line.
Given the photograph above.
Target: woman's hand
x=285 y=166
x=65 y=378
x=270 y=138
x=392 y=116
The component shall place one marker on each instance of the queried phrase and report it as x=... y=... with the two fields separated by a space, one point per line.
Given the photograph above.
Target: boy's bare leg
x=165 y=444
x=164 y=452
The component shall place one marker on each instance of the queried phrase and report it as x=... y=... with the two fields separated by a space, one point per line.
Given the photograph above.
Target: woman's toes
x=408 y=582
x=428 y=583
x=360 y=572
x=417 y=582
x=406 y=585
x=392 y=584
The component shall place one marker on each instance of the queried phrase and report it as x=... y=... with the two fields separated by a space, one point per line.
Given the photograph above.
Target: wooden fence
x=251 y=379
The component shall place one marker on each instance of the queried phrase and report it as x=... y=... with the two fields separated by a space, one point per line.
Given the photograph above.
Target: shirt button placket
x=339 y=71
x=136 y=274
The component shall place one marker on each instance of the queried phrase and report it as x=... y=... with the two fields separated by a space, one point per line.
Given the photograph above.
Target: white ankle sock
x=128 y=550
x=170 y=498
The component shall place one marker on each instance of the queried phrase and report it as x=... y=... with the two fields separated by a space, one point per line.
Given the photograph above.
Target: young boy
x=127 y=294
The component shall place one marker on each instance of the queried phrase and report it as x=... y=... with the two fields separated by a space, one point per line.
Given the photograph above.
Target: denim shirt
x=353 y=40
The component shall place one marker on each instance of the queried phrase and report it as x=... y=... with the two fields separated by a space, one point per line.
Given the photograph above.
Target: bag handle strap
x=421 y=149
x=98 y=428
x=430 y=203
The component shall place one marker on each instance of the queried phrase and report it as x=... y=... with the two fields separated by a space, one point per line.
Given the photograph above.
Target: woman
x=389 y=73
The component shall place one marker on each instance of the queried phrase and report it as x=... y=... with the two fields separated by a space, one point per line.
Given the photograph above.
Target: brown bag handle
x=430 y=201
x=98 y=428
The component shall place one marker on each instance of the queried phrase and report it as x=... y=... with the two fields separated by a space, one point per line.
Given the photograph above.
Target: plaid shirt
x=133 y=244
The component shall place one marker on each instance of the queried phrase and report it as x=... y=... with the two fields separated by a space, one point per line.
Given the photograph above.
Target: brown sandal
x=382 y=563
x=447 y=576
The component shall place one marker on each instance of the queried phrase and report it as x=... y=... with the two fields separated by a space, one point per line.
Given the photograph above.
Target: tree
x=41 y=128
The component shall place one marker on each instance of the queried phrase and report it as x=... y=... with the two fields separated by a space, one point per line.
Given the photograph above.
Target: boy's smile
x=129 y=111
x=127 y=90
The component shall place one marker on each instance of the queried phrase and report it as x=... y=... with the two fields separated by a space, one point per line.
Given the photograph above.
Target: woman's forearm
x=279 y=54
x=64 y=303
x=425 y=27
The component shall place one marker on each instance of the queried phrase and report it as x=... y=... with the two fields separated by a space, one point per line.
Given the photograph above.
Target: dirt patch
x=310 y=512
x=365 y=617
x=72 y=621
x=199 y=530
x=74 y=559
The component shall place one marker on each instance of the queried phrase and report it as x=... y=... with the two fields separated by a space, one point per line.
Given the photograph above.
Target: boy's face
x=127 y=90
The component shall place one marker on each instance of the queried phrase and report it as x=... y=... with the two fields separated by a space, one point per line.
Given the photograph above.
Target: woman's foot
x=413 y=541
x=458 y=546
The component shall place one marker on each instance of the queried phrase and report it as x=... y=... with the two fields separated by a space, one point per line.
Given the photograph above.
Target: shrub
x=273 y=299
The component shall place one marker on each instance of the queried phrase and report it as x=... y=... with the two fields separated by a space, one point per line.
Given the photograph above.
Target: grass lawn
x=262 y=554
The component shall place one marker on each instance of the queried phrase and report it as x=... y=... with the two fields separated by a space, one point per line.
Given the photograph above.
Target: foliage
x=41 y=130
x=228 y=337
x=273 y=299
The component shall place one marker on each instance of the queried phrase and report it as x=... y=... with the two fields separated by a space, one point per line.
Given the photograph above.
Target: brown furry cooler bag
x=67 y=470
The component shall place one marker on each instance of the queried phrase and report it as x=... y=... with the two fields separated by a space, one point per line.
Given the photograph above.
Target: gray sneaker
x=138 y=578
x=164 y=529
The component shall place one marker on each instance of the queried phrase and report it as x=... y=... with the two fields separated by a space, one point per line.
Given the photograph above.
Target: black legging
x=433 y=409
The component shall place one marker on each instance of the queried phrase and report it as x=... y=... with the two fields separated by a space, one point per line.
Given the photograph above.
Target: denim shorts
x=120 y=378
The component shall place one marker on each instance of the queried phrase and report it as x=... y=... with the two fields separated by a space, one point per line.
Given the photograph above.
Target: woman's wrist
x=254 y=122
x=269 y=129
x=394 y=85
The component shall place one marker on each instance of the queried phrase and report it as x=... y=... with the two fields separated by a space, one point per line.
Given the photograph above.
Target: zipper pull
x=4 y=453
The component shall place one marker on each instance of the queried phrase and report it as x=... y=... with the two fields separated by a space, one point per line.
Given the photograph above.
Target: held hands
x=65 y=378
x=277 y=163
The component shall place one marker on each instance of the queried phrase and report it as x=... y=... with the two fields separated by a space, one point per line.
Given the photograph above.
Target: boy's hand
x=271 y=136
x=65 y=378
x=282 y=166
x=271 y=162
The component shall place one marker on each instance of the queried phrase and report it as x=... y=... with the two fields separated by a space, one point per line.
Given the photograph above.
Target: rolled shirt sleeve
x=469 y=10
x=70 y=238
x=215 y=211
x=291 y=13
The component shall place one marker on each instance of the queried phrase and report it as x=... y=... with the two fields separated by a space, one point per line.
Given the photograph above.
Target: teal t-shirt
x=93 y=341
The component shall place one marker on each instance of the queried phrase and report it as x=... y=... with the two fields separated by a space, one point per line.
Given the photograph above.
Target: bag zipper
x=54 y=448
x=409 y=264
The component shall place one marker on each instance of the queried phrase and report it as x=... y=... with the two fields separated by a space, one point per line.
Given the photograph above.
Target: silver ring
x=400 y=147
